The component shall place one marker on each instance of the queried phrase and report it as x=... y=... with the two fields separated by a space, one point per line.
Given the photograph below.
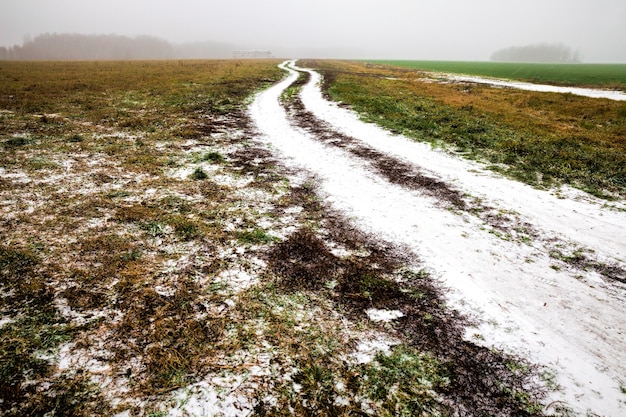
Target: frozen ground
x=567 y=317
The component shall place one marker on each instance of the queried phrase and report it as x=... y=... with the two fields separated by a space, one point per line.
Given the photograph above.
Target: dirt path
x=553 y=294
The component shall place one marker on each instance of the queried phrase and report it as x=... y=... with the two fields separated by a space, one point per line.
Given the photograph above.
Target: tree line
x=109 y=47
x=541 y=53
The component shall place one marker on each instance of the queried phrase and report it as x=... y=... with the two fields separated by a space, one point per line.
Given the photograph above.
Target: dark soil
x=481 y=379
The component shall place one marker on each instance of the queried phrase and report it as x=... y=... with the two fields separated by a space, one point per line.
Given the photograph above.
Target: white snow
x=376 y=314
x=586 y=92
x=5 y=320
x=527 y=306
x=212 y=397
x=238 y=279
x=367 y=349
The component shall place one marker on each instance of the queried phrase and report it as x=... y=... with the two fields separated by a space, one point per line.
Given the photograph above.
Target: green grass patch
x=34 y=333
x=213 y=157
x=185 y=228
x=198 y=174
x=588 y=75
x=153 y=228
x=255 y=236
x=404 y=383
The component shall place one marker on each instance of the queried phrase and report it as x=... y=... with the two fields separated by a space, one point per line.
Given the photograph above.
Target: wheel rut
x=484 y=252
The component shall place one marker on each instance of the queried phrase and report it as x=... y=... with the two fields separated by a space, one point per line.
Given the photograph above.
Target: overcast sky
x=407 y=29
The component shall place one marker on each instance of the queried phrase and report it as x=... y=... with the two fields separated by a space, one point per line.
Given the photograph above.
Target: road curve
x=527 y=305
x=587 y=223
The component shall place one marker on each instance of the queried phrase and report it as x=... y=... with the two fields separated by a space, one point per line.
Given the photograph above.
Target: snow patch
x=217 y=396
x=383 y=315
x=238 y=279
x=520 y=85
x=366 y=350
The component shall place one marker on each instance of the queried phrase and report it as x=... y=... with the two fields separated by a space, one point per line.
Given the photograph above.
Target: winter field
x=599 y=76
x=251 y=238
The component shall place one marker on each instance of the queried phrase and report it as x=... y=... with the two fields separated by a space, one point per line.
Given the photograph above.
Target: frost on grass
x=153 y=291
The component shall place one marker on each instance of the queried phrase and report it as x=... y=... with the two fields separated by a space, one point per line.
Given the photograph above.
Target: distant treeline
x=545 y=53
x=110 y=47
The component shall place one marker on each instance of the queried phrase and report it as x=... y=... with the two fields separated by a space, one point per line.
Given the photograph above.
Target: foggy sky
x=401 y=29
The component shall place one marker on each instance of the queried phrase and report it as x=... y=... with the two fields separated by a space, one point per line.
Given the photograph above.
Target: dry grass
x=95 y=217
x=540 y=138
x=152 y=248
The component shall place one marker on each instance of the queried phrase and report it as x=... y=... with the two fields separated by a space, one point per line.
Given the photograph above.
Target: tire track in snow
x=580 y=221
x=507 y=224
x=527 y=306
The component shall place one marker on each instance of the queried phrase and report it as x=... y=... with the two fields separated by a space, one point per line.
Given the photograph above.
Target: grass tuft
x=214 y=157
x=404 y=383
x=255 y=236
x=199 y=174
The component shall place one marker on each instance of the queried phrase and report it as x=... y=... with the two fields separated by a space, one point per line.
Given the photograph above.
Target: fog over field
x=408 y=29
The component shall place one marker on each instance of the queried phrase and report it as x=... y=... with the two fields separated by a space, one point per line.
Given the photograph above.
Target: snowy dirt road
x=542 y=272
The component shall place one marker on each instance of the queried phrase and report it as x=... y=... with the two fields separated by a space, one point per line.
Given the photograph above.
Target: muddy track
x=383 y=276
x=534 y=298
x=394 y=170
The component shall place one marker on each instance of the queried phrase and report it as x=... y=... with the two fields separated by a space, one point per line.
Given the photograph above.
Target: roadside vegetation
x=156 y=259
x=611 y=76
x=543 y=139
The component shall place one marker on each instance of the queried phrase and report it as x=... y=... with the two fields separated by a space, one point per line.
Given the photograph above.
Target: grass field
x=154 y=257
x=588 y=75
x=111 y=219
x=543 y=139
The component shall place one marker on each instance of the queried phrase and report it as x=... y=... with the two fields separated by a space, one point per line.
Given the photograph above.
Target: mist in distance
x=393 y=29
